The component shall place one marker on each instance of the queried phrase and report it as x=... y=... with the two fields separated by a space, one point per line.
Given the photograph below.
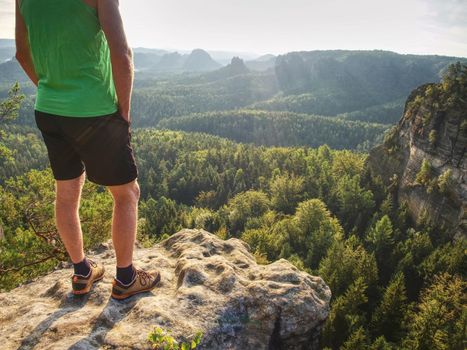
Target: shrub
x=161 y=340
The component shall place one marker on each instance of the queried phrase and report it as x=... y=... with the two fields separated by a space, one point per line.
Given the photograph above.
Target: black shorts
x=98 y=145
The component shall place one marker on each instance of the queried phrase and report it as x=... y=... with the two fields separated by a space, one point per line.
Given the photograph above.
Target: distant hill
x=368 y=86
x=146 y=60
x=355 y=79
x=7 y=49
x=150 y=63
x=162 y=98
x=279 y=128
x=7 y=53
x=7 y=43
x=224 y=57
x=236 y=67
x=200 y=60
x=10 y=72
x=262 y=63
x=172 y=62
x=159 y=52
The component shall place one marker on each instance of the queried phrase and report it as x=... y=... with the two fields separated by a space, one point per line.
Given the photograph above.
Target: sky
x=278 y=26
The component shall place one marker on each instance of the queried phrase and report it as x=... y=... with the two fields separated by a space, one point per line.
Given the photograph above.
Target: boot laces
x=92 y=263
x=144 y=276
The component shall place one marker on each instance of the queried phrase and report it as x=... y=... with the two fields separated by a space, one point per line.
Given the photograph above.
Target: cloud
x=407 y=26
x=449 y=12
x=446 y=21
x=448 y=16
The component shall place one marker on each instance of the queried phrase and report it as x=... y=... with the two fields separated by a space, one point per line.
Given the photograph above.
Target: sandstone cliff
x=423 y=158
x=208 y=285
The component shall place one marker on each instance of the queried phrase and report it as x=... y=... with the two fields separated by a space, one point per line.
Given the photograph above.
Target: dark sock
x=82 y=268
x=126 y=274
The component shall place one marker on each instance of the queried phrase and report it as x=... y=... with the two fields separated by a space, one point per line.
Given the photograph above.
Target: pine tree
x=9 y=108
x=346 y=317
x=388 y=317
x=286 y=192
x=425 y=176
x=357 y=340
x=381 y=240
x=245 y=205
x=380 y=344
x=345 y=262
x=317 y=231
x=440 y=319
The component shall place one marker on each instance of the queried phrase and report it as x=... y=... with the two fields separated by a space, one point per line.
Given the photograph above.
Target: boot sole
x=88 y=288
x=127 y=295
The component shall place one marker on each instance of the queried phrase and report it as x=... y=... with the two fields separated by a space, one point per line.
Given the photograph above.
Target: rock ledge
x=208 y=284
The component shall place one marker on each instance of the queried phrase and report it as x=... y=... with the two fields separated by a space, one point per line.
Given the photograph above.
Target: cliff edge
x=422 y=159
x=207 y=285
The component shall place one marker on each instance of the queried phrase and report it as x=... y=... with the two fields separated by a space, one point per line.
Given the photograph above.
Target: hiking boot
x=142 y=282
x=82 y=284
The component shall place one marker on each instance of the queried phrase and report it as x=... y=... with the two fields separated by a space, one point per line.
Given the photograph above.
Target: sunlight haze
x=274 y=26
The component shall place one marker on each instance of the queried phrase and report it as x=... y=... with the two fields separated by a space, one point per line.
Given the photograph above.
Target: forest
x=307 y=87
x=286 y=189
x=280 y=128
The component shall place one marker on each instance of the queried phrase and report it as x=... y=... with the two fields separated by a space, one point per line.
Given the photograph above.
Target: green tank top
x=71 y=58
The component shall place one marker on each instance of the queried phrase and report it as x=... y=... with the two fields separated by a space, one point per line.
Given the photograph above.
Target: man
x=76 y=53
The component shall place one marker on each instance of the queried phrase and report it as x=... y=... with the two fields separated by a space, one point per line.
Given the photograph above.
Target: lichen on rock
x=208 y=284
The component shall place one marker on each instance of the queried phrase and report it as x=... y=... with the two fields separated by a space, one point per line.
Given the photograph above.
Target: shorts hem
x=64 y=178
x=113 y=183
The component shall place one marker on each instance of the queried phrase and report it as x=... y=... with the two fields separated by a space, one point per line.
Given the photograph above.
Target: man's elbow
x=20 y=56
x=123 y=56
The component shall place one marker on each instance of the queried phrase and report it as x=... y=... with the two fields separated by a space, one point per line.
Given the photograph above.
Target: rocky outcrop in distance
x=208 y=284
x=423 y=158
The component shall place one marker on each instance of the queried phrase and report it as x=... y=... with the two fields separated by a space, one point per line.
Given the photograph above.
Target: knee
x=66 y=199
x=128 y=193
x=68 y=192
x=136 y=191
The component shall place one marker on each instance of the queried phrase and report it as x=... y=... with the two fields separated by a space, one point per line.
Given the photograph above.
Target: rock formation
x=433 y=130
x=200 y=61
x=235 y=68
x=208 y=285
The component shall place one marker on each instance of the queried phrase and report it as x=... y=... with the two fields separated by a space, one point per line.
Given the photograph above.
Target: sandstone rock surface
x=435 y=132
x=207 y=285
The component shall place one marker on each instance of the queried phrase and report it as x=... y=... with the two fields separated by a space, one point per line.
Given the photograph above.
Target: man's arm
x=120 y=53
x=23 y=53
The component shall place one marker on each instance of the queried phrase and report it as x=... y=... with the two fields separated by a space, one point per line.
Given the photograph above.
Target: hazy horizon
x=268 y=26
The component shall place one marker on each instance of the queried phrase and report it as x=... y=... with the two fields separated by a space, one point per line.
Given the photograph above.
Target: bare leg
x=124 y=220
x=68 y=194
